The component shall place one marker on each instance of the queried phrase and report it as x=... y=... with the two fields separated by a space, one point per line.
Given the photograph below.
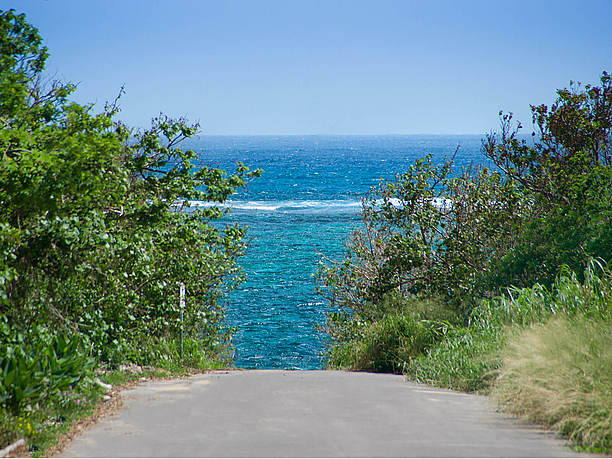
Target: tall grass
x=559 y=374
x=545 y=356
x=568 y=296
x=557 y=371
x=467 y=360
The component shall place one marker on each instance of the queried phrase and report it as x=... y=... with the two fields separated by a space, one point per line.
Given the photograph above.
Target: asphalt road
x=307 y=414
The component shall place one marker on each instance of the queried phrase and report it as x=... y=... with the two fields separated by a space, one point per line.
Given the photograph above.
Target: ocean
x=303 y=206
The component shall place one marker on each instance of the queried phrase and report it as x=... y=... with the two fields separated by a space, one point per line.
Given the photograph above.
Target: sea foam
x=281 y=206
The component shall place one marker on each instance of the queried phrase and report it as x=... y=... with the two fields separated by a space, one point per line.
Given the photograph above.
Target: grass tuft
x=467 y=360
x=559 y=374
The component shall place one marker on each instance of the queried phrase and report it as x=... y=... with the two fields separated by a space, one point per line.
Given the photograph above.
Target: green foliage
x=391 y=335
x=35 y=367
x=165 y=353
x=567 y=172
x=388 y=344
x=95 y=236
x=428 y=232
x=467 y=236
x=466 y=360
x=569 y=296
x=95 y=233
x=470 y=358
x=41 y=426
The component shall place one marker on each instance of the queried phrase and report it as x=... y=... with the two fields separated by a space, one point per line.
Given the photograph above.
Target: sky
x=324 y=67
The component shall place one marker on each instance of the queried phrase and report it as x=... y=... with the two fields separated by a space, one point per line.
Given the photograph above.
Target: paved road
x=307 y=413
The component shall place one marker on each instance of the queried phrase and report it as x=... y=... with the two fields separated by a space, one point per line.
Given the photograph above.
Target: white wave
x=305 y=205
x=442 y=203
x=438 y=203
x=272 y=206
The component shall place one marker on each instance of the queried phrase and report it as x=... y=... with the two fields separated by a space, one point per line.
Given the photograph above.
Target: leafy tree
x=95 y=230
x=428 y=232
x=567 y=173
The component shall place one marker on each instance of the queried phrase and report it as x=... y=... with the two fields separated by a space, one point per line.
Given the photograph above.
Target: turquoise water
x=305 y=203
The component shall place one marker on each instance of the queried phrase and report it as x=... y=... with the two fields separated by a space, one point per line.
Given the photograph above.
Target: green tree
x=567 y=173
x=431 y=231
x=95 y=232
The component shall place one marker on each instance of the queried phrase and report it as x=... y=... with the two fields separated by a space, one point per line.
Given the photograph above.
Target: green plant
x=470 y=358
x=167 y=353
x=466 y=360
x=387 y=345
x=469 y=235
x=96 y=230
x=19 y=381
x=568 y=296
x=429 y=232
x=389 y=335
x=34 y=368
x=96 y=233
x=567 y=172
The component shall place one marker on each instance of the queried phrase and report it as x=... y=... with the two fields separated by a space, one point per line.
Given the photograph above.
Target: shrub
x=567 y=172
x=388 y=345
x=568 y=296
x=166 y=353
x=389 y=335
x=429 y=232
x=469 y=235
x=95 y=231
x=470 y=358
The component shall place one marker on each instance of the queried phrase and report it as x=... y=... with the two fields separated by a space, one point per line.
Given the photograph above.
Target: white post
x=182 y=307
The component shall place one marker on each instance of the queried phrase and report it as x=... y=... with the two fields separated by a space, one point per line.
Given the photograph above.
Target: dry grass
x=559 y=374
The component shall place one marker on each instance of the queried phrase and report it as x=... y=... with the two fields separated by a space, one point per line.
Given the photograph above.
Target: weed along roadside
x=50 y=429
x=109 y=404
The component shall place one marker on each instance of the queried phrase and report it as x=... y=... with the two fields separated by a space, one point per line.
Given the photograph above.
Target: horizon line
x=337 y=134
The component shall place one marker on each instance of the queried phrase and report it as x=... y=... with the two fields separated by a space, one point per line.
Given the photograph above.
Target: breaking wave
x=335 y=206
x=339 y=205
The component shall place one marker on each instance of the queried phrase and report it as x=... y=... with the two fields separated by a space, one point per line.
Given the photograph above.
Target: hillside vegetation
x=493 y=280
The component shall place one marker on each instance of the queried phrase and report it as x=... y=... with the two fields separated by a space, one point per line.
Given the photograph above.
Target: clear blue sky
x=324 y=67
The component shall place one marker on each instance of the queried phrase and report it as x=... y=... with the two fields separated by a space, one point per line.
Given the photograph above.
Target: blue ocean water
x=305 y=204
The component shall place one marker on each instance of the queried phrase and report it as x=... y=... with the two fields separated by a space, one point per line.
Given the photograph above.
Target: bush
x=165 y=353
x=389 y=335
x=470 y=358
x=568 y=296
x=567 y=172
x=96 y=234
x=95 y=231
x=388 y=345
x=429 y=232
x=469 y=235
